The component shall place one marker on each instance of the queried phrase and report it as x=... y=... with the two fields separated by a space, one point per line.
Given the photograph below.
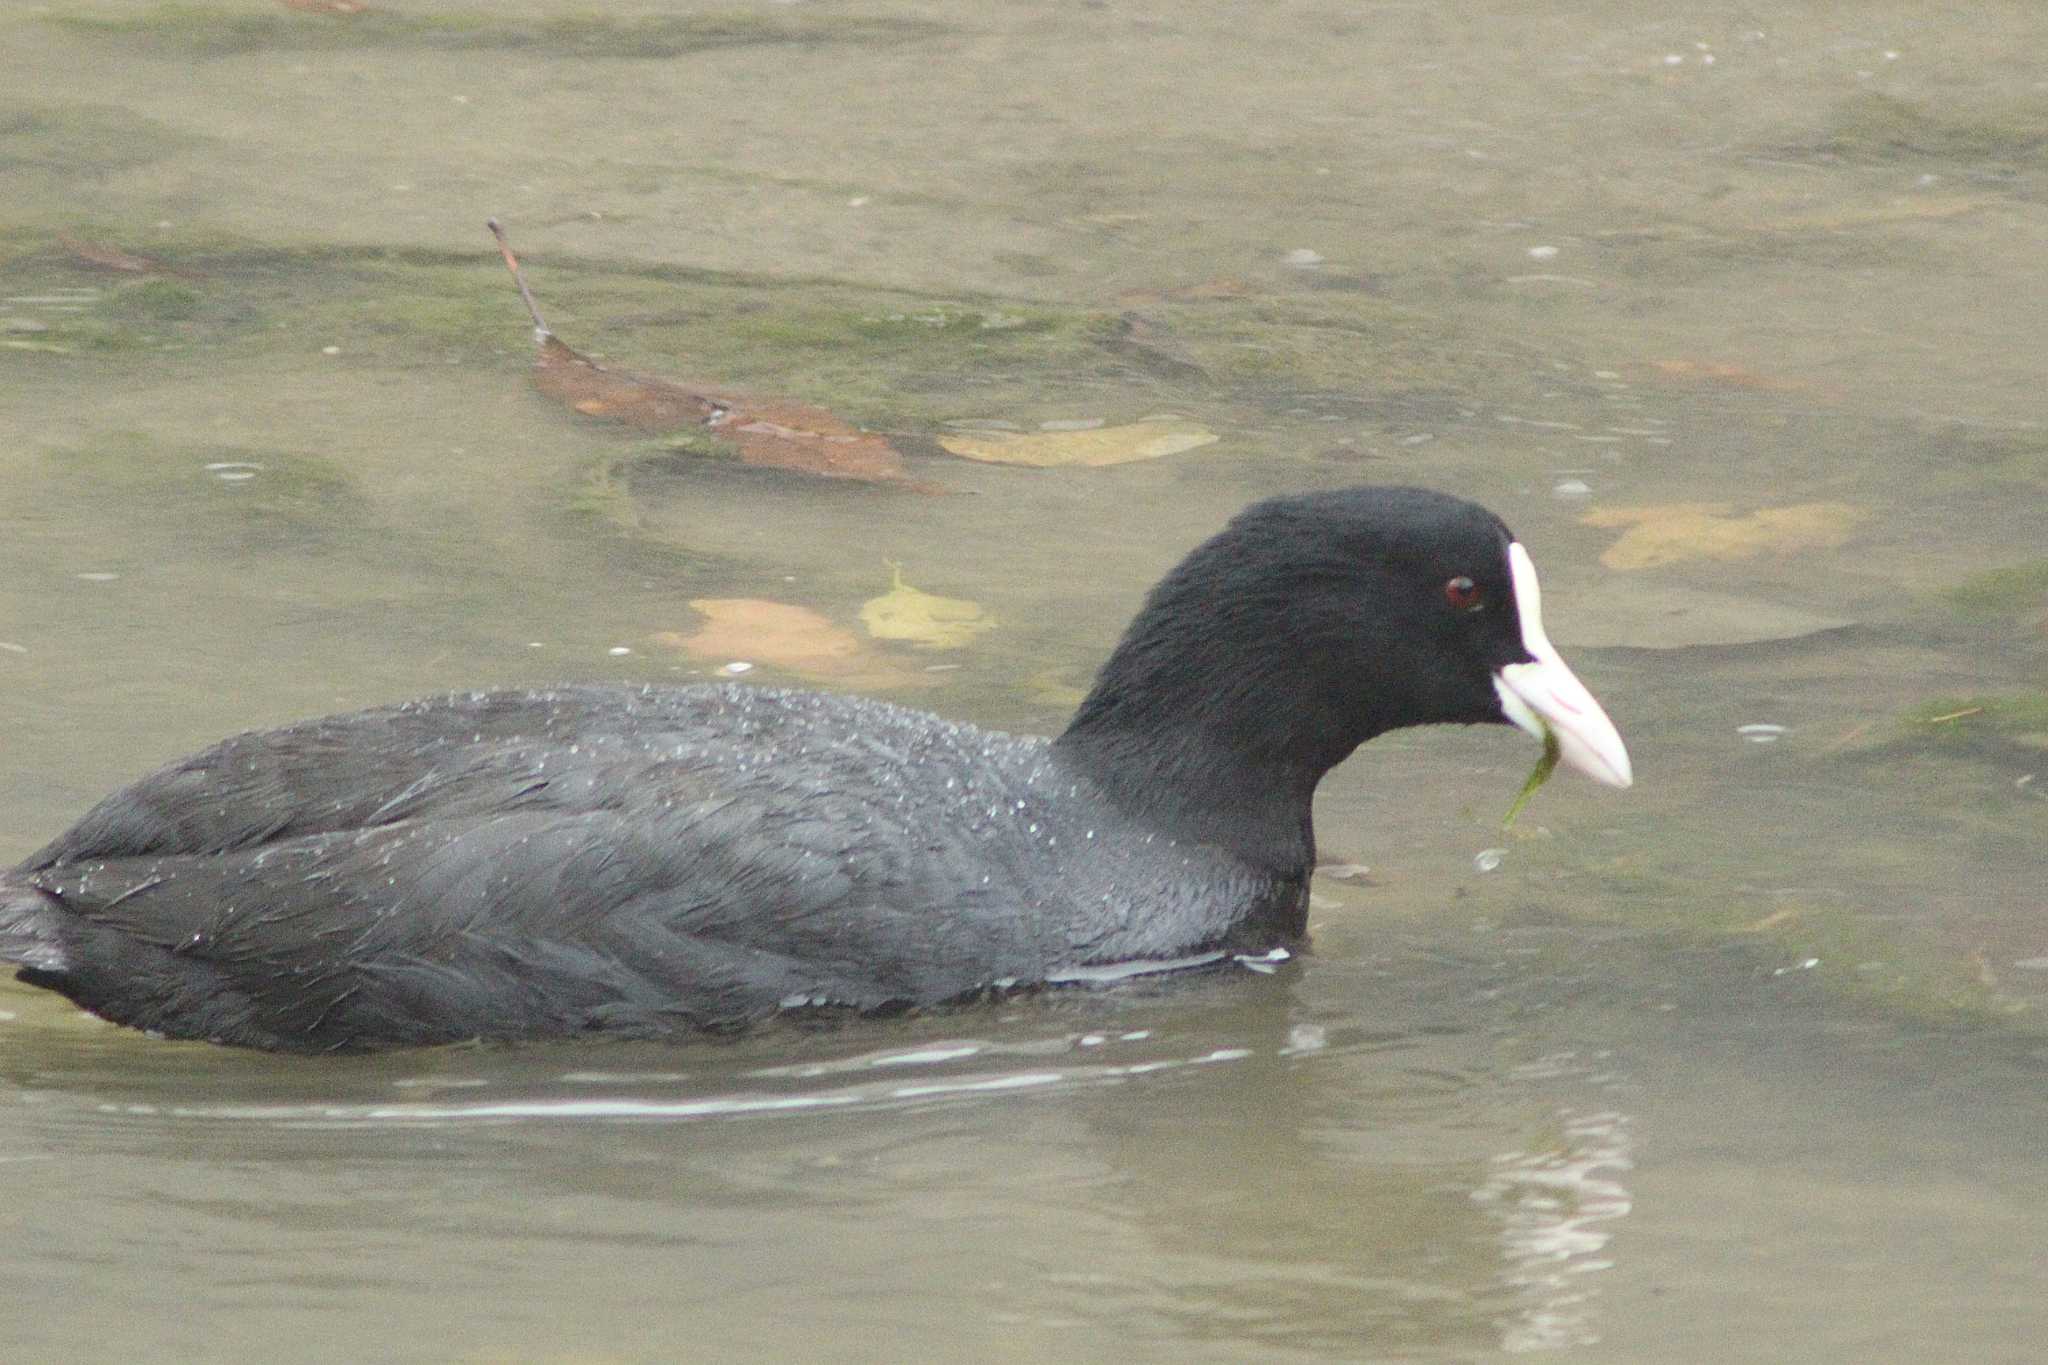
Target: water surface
x=1738 y=326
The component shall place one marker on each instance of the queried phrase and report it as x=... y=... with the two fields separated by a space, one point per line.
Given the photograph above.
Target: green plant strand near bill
x=1545 y=766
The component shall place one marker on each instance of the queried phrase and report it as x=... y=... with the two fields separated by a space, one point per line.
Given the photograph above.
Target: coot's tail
x=28 y=933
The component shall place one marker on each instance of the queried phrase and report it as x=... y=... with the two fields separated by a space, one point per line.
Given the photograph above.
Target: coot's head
x=1314 y=622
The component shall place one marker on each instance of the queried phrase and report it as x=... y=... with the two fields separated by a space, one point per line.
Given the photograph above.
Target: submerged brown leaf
x=568 y=376
x=773 y=433
x=779 y=434
x=794 y=639
x=107 y=256
x=1734 y=377
x=1671 y=532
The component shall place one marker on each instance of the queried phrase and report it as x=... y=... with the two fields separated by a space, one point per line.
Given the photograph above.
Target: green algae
x=1852 y=954
x=1546 y=764
x=156 y=301
x=74 y=141
x=71 y=305
x=1851 y=949
x=1879 y=127
x=885 y=359
x=1990 y=725
x=249 y=500
x=2007 y=591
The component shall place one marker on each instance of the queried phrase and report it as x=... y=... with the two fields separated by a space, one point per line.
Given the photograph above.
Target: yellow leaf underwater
x=1897 y=209
x=792 y=638
x=1054 y=687
x=1673 y=532
x=1146 y=440
x=924 y=619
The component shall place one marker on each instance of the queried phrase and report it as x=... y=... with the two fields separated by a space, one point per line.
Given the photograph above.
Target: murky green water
x=1736 y=318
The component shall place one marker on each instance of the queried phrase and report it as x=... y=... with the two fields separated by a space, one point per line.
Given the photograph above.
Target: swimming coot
x=654 y=861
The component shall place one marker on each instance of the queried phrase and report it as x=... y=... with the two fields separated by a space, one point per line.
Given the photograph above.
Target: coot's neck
x=1200 y=732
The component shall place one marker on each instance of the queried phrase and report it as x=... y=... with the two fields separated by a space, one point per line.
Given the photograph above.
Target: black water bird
x=658 y=861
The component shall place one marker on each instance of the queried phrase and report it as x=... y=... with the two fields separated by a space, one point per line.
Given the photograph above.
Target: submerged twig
x=540 y=326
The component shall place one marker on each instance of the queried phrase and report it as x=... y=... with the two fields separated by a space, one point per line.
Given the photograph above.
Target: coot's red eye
x=1463 y=594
